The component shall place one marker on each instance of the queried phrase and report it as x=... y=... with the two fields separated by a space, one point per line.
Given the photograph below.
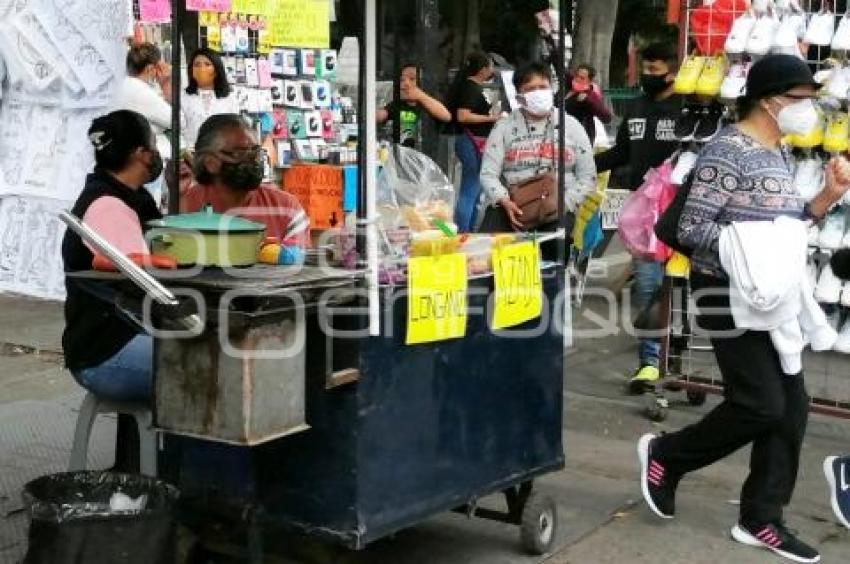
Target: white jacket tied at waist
x=769 y=289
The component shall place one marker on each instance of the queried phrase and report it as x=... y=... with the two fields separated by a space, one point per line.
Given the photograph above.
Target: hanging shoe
x=742 y=27
x=839 y=83
x=686 y=123
x=688 y=75
x=828 y=289
x=711 y=77
x=808 y=178
x=761 y=38
x=833 y=230
x=836 y=139
x=841 y=38
x=735 y=82
x=708 y=123
x=821 y=29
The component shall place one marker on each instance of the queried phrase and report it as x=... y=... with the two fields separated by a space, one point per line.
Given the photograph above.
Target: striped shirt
x=736 y=179
x=279 y=211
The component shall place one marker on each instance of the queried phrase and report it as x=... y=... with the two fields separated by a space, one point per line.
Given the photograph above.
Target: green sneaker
x=645 y=378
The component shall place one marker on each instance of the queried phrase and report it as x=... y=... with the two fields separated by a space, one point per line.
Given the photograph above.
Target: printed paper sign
x=252 y=6
x=437 y=307
x=612 y=206
x=519 y=290
x=155 y=11
x=208 y=5
x=300 y=23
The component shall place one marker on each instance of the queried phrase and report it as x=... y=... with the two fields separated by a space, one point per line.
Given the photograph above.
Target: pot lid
x=207 y=220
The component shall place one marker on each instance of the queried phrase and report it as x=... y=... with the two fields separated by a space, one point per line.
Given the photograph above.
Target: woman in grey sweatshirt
x=522 y=146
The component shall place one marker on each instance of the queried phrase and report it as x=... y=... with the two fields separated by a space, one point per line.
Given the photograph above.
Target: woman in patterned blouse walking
x=745 y=174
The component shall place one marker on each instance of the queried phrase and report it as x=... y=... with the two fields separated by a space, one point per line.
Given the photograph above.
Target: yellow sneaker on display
x=837 y=136
x=711 y=78
x=689 y=73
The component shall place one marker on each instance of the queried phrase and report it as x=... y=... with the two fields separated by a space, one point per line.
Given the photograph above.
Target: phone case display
x=289 y=93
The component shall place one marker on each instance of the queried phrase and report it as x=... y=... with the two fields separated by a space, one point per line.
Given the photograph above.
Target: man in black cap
x=745 y=175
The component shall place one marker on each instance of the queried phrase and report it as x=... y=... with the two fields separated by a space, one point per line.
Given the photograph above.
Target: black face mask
x=243 y=175
x=653 y=84
x=155 y=168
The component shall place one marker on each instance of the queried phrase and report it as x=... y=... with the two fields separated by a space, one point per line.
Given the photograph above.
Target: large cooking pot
x=206 y=238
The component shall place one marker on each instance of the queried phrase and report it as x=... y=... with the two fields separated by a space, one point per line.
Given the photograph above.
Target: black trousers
x=761 y=405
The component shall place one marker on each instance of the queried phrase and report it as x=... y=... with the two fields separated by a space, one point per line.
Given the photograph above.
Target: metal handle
x=159 y=293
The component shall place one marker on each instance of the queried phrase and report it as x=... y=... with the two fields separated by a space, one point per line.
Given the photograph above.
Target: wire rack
x=709 y=42
x=688 y=363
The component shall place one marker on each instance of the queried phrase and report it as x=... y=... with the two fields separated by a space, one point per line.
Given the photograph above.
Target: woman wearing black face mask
x=228 y=168
x=645 y=140
x=105 y=352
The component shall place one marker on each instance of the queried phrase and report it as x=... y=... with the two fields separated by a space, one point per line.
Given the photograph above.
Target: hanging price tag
x=437 y=307
x=519 y=289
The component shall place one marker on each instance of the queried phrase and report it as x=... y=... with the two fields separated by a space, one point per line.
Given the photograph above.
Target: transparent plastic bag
x=413 y=190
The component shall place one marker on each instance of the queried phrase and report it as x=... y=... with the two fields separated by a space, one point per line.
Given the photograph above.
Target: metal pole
x=368 y=165
x=178 y=11
x=562 y=136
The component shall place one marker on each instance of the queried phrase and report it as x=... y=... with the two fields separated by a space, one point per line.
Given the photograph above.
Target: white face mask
x=798 y=118
x=539 y=102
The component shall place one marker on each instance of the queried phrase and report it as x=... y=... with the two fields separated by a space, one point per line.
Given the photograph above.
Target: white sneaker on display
x=839 y=83
x=842 y=344
x=814 y=235
x=736 y=42
x=828 y=290
x=785 y=41
x=832 y=232
x=735 y=82
x=841 y=39
x=821 y=29
x=808 y=178
x=762 y=36
x=684 y=165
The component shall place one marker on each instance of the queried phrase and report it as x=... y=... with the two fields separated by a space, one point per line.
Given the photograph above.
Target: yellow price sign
x=519 y=288
x=436 y=296
x=300 y=23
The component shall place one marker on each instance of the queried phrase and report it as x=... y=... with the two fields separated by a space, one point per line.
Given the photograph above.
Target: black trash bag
x=72 y=522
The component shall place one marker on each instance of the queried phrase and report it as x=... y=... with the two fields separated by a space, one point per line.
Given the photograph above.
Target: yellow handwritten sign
x=519 y=290
x=252 y=6
x=300 y=23
x=437 y=307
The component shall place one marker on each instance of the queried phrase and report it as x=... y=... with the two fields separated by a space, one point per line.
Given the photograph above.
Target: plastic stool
x=89 y=410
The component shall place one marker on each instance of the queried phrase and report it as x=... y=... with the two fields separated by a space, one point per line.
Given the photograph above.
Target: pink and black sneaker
x=656 y=482
x=776 y=538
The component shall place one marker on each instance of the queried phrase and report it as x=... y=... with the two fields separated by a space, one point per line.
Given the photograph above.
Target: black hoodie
x=645 y=138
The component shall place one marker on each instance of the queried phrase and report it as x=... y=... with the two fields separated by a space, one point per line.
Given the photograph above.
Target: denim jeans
x=127 y=376
x=470 y=185
x=647 y=281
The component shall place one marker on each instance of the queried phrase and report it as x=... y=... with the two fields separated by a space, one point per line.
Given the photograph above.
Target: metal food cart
x=396 y=433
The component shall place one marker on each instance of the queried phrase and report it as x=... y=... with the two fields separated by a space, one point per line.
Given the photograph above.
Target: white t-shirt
x=137 y=95
x=197 y=108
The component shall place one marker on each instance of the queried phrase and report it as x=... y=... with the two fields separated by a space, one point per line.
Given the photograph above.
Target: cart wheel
x=696 y=397
x=539 y=523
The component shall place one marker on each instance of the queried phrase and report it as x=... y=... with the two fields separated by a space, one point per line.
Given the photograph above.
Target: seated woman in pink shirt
x=108 y=354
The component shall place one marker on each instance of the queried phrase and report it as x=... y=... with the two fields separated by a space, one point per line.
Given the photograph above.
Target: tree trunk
x=594 y=35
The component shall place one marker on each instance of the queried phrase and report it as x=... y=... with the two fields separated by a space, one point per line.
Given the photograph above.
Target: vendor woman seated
x=228 y=171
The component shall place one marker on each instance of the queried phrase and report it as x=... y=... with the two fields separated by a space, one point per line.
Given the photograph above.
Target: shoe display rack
x=725 y=37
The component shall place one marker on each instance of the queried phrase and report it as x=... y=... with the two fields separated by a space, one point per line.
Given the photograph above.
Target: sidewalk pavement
x=602 y=518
